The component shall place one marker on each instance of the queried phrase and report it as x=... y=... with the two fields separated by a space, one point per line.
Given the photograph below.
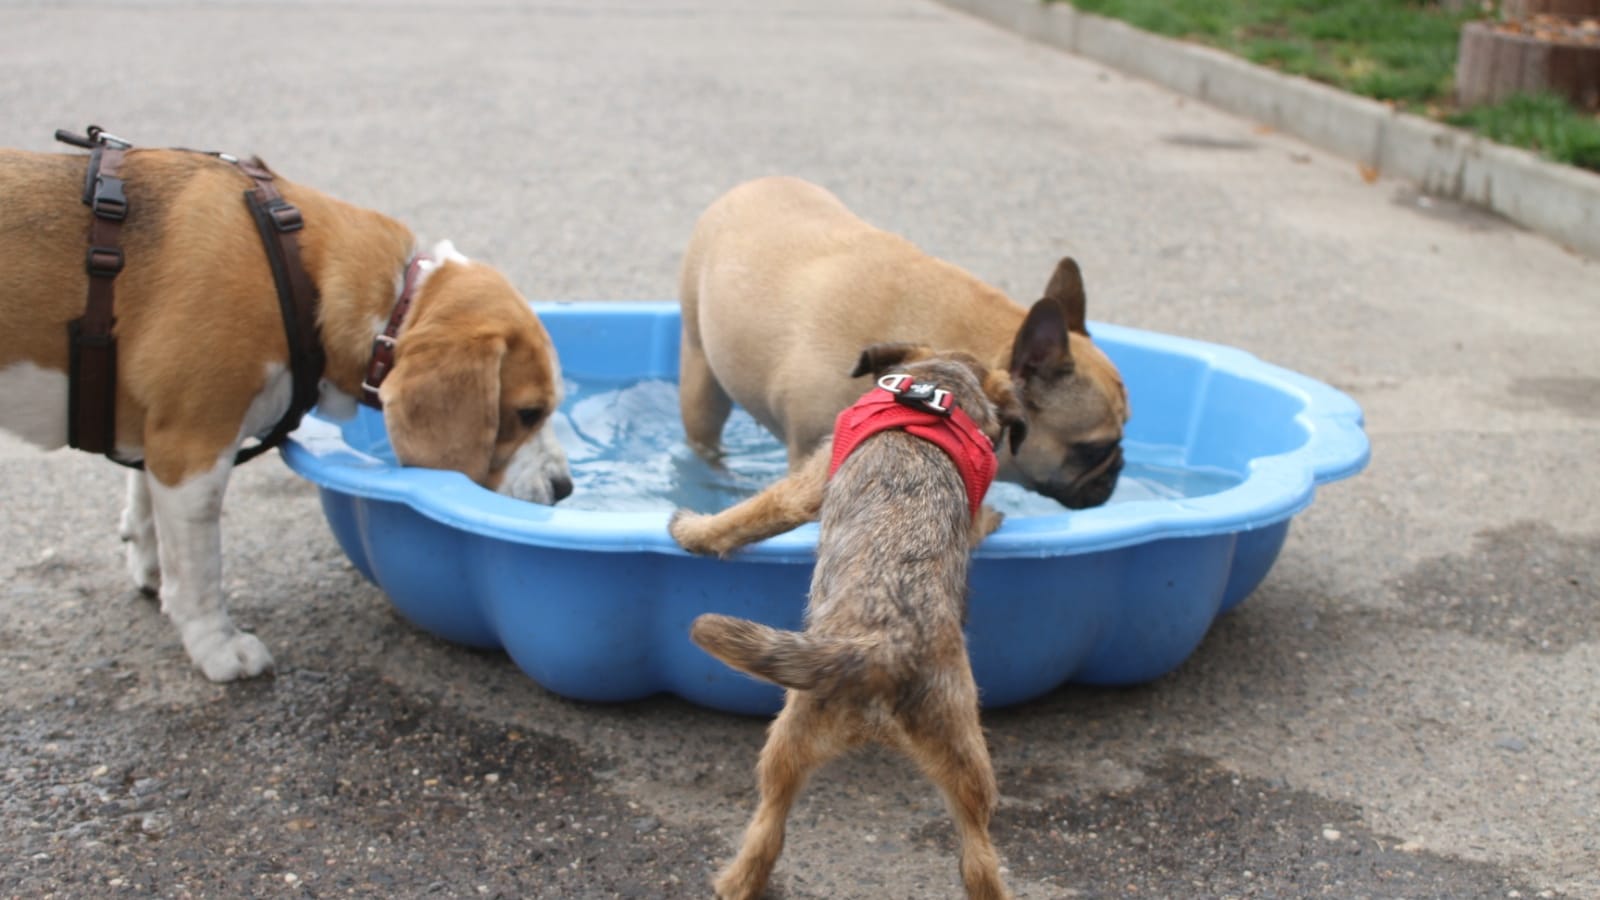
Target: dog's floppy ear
x=878 y=357
x=1002 y=392
x=441 y=404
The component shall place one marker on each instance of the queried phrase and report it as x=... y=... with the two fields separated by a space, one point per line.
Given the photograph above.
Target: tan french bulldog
x=783 y=286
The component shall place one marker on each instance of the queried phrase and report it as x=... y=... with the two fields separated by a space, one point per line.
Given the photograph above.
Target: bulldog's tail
x=792 y=659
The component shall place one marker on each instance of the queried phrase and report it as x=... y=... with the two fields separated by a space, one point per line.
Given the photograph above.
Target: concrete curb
x=1561 y=202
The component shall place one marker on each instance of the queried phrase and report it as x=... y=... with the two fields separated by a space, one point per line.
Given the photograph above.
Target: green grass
x=1543 y=123
x=1400 y=51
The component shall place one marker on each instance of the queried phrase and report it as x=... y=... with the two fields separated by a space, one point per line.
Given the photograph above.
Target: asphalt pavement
x=1405 y=708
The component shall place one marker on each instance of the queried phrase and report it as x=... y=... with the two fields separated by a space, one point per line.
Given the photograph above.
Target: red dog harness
x=925 y=411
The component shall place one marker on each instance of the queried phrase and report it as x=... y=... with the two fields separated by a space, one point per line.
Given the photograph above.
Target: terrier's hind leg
x=952 y=753
x=799 y=741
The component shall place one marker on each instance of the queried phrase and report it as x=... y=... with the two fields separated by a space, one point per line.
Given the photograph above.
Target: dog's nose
x=560 y=488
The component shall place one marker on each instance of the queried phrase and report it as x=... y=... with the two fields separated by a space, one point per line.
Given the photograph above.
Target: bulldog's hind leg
x=188 y=529
x=139 y=533
x=702 y=402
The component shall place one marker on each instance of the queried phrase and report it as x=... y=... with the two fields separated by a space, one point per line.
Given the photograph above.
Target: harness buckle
x=378 y=366
x=923 y=395
x=285 y=215
x=103 y=262
x=101 y=136
x=108 y=201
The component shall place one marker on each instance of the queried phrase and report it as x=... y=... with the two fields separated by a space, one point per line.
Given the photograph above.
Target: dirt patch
x=1526 y=585
x=319 y=785
x=1191 y=828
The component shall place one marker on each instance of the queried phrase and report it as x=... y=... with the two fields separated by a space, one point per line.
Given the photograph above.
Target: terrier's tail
x=792 y=659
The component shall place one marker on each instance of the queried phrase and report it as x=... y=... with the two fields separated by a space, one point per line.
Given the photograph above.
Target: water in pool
x=625 y=444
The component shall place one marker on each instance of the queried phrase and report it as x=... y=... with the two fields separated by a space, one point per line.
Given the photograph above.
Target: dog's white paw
x=225 y=653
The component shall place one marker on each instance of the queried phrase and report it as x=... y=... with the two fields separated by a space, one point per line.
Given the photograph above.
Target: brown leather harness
x=92 y=373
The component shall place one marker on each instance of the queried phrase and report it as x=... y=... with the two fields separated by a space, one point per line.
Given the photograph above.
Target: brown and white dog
x=782 y=286
x=202 y=357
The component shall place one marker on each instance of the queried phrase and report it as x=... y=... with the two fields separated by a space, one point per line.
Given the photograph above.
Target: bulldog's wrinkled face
x=475 y=382
x=1074 y=399
x=1074 y=449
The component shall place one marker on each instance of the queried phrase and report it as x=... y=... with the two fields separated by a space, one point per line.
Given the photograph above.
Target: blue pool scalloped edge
x=596 y=606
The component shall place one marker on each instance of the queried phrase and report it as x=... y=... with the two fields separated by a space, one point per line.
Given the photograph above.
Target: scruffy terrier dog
x=882 y=657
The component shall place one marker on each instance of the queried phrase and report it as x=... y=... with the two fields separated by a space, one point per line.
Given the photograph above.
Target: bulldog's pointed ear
x=1041 y=348
x=1066 y=288
x=878 y=357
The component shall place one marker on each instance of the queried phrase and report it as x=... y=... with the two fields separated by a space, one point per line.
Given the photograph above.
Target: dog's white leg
x=189 y=535
x=139 y=533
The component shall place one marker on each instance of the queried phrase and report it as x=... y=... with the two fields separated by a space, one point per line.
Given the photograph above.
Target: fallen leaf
x=1369 y=174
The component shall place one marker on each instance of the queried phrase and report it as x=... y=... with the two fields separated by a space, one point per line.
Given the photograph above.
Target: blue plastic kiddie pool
x=593 y=600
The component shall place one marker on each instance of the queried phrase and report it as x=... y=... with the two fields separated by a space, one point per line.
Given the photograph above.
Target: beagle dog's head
x=474 y=384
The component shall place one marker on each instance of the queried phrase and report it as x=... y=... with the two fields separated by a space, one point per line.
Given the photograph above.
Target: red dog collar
x=925 y=411
x=382 y=359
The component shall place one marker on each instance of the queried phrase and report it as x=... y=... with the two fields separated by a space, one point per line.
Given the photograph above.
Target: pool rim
x=1275 y=488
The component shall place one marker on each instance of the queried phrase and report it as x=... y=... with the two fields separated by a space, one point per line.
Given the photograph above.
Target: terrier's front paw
x=694 y=532
x=985 y=524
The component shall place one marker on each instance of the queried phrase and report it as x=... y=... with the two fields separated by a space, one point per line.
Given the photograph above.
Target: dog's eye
x=530 y=415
